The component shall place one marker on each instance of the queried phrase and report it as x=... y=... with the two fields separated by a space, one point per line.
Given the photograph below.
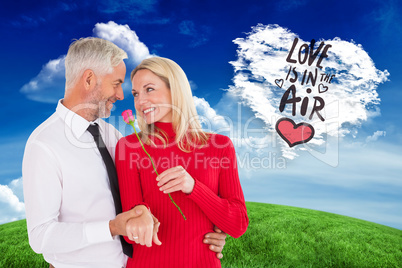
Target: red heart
x=294 y=134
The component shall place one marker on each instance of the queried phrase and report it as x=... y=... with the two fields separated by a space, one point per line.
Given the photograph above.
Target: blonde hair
x=184 y=115
x=97 y=54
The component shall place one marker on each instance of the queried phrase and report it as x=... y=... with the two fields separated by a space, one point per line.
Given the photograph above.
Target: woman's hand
x=175 y=179
x=143 y=229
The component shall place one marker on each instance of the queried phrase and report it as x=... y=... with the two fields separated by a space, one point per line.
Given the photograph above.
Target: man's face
x=108 y=90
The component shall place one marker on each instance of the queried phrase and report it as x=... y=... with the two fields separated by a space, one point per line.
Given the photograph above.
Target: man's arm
x=216 y=241
x=43 y=191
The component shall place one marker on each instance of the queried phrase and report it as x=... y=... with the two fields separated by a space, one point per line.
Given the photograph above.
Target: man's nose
x=120 y=93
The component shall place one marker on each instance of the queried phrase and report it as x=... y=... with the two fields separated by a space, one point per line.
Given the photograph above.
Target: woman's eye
x=150 y=89
x=135 y=94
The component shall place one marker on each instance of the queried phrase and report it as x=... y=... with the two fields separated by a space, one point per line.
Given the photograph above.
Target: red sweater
x=217 y=198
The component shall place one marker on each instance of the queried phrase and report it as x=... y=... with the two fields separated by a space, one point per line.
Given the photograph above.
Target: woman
x=198 y=169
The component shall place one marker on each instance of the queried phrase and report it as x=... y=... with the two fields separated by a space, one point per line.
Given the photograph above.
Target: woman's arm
x=227 y=210
x=141 y=229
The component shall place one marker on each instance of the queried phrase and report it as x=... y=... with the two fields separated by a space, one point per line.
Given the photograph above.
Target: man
x=70 y=209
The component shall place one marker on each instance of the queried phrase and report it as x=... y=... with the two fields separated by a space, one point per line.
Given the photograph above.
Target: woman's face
x=152 y=98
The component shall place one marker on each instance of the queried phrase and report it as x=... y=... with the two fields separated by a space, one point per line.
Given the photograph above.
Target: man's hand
x=120 y=226
x=216 y=241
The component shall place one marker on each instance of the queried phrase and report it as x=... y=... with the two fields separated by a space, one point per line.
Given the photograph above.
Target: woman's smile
x=152 y=97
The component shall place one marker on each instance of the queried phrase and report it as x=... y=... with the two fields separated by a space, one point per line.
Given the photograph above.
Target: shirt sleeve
x=129 y=177
x=227 y=210
x=42 y=180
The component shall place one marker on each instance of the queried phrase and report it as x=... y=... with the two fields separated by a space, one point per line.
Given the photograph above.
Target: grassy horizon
x=283 y=236
x=278 y=236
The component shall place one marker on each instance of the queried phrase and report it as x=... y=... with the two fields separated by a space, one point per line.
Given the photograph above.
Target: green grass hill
x=278 y=236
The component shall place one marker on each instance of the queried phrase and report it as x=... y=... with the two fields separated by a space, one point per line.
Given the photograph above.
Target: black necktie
x=114 y=184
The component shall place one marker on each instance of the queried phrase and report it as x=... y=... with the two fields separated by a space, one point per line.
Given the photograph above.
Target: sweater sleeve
x=128 y=176
x=227 y=210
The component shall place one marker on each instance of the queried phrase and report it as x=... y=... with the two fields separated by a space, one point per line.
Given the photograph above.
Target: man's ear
x=89 y=79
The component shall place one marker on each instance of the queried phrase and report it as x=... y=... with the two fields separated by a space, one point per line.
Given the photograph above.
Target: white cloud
x=350 y=98
x=11 y=206
x=17 y=187
x=210 y=120
x=48 y=86
x=126 y=39
x=375 y=136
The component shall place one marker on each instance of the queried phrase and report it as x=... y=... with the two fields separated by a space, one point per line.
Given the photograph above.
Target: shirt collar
x=75 y=122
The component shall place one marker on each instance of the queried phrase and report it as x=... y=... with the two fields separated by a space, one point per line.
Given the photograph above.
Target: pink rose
x=128 y=116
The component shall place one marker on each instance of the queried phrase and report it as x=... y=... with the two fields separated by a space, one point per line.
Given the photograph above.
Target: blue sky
x=357 y=174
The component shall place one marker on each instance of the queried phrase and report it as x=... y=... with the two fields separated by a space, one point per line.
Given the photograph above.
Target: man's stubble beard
x=98 y=103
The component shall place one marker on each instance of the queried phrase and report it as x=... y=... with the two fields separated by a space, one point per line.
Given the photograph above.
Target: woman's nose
x=141 y=99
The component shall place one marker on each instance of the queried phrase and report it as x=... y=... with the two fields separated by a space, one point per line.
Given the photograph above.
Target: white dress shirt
x=67 y=194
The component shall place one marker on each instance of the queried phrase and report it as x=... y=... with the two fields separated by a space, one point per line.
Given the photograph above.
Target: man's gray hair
x=99 y=55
